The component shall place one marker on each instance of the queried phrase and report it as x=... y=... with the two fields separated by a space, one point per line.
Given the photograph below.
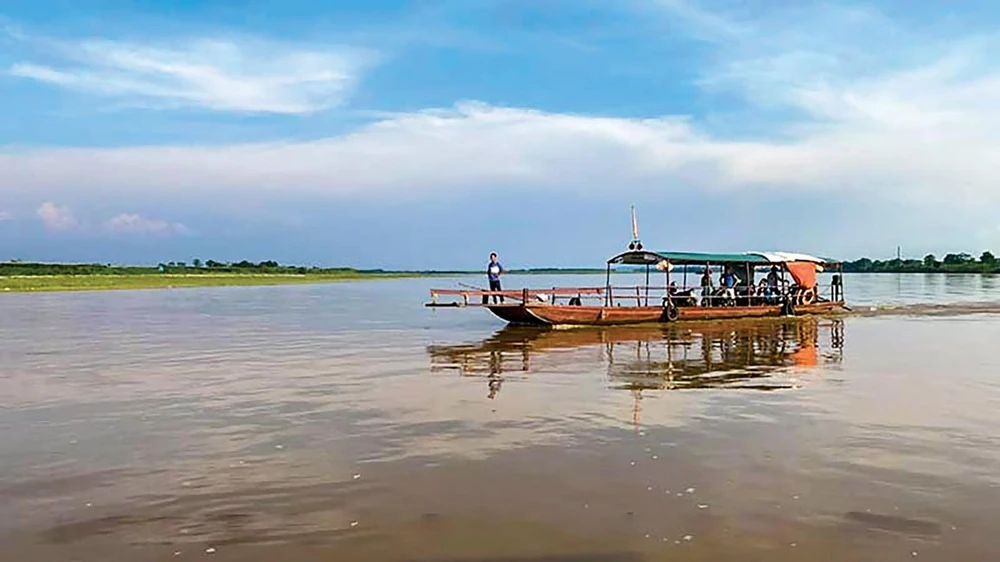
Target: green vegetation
x=952 y=263
x=16 y=276
x=23 y=276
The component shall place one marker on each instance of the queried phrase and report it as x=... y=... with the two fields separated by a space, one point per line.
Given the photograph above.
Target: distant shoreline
x=23 y=277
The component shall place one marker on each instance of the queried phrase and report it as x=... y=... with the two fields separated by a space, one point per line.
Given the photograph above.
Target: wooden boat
x=796 y=291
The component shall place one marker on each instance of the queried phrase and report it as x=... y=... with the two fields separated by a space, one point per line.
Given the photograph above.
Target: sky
x=424 y=134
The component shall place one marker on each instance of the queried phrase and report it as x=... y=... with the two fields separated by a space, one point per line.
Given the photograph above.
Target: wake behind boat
x=788 y=286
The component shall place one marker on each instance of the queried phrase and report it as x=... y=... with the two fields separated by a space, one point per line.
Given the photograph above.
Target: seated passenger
x=773 y=281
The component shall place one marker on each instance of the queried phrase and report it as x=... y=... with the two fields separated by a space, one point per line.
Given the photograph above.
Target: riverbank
x=49 y=283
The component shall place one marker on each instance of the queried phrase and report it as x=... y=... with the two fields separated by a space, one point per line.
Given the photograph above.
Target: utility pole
x=899 y=254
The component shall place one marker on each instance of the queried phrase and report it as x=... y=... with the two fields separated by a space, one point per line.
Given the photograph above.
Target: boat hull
x=541 y=314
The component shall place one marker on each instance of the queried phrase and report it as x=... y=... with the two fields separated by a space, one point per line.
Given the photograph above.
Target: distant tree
x=930 y=261
x=196 y=262
x=212 y=264
x=988 y=258
x=956 y=259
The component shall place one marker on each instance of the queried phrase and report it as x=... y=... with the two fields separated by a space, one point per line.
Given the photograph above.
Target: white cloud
x=476 y=146
x=858 y=113
x=55 y=217
x=134 y=223
x=238 y=75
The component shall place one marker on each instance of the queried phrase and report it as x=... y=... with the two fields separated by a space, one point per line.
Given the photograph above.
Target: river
x=348 y=422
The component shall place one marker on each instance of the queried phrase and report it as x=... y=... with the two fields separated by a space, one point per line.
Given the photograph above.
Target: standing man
x=728 y=282
x=706 y=285
x=493 y=272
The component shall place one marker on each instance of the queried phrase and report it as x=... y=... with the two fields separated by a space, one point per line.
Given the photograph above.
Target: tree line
x=951 y=263
x=195 y=267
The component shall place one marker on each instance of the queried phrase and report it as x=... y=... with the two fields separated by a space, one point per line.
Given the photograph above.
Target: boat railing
x=644 y=295
x=468 y=297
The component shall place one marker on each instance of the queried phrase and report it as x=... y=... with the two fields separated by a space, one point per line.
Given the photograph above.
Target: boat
x=789 y=286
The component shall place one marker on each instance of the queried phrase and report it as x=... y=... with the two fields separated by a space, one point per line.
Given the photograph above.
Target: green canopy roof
x=644 y=257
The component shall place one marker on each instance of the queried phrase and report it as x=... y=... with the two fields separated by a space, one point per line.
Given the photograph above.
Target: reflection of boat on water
x=741 y=353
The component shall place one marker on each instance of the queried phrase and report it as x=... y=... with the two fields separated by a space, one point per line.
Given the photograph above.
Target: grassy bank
x=42 y=283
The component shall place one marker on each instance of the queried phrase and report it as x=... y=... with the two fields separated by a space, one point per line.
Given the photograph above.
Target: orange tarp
x=804 y=273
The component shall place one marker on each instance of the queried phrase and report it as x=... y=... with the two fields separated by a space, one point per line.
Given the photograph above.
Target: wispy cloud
x=55 y=217
x=137 y=224
x=701 y=23
x=221 y=74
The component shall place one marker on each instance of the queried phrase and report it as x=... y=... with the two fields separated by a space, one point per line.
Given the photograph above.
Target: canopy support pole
x=647 y=284
x=607 y=286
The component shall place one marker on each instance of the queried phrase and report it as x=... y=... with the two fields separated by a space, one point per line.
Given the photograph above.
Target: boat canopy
x=644 y=257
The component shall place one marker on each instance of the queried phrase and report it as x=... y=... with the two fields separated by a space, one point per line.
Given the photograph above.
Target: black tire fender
x=671 y=313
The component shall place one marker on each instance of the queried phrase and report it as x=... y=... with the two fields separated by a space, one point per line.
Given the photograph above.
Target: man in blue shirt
x=493 y=272
x=729 y=283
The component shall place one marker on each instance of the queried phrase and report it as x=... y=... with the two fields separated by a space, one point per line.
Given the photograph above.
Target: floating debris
x=690 y=490
x=688 y=537
x=633 y=463
x=656 y=457
x=649 y=488
x=793 y=545
x=702 y=506
x=210 y=550
x=914 y=553
x=357 y=476
x=647 y=535
x=354 y=524
x=795 y=497
x=89 y=504
x=279 y=446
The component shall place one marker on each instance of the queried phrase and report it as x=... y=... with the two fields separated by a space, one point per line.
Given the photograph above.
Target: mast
x=635 y=244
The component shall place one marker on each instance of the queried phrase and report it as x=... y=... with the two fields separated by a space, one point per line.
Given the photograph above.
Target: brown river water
x=348 y=422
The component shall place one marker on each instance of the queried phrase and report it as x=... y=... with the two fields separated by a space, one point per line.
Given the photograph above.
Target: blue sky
x=426 y=133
